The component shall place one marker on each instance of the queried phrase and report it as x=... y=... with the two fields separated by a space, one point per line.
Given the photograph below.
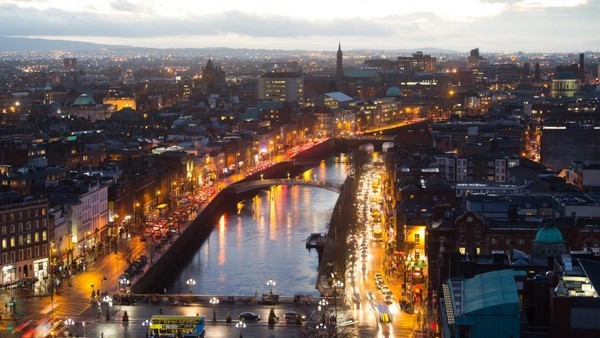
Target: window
x=478 y=250
x=4 y=243
x=442 y=239
x=521 y=241
x=28 y=238
x=12 y=242
x=28 y=226
x=20 y=239
x=36 y=224
x=44 y=235
x=4 y=229
x=461 y=240
x=477 y=228
x=462 y=250
x=417 y=254
x=493 y=241
x=12 y=228
x=417 y=238
x=36 y=237
x=508 y=242
x=476 y=239
x=462 y=228
x=20 y=227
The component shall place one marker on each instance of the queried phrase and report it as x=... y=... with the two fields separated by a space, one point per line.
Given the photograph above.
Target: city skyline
x=492 y=25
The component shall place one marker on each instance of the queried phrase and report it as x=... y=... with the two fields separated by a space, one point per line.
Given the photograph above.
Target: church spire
x=339 y=69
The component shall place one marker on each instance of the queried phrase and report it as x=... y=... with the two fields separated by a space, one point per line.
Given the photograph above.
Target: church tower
x=339 y=69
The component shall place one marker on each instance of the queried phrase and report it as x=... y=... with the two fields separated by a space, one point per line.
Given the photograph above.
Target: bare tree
x=127 y=251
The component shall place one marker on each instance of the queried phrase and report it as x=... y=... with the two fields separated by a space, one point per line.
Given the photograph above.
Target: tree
x=127 y=251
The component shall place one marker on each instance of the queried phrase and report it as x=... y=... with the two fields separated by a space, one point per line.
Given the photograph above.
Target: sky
x=460 y=25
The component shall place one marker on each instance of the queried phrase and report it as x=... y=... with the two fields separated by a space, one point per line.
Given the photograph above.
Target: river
x=265 y=241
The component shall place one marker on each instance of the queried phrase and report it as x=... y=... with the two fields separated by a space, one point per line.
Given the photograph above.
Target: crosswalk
x=66 y=307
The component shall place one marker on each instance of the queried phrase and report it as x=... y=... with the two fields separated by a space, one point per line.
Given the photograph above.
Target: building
x=281 y=86
x=474 y=60
x=212 y=76
x=25 y=245
x=87 y=218
x=120 y=102
x=485 y=306
x=562 y=145
x=418 y=62
x=564 y=85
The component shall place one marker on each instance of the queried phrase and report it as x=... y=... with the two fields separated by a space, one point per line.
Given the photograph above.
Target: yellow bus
x=176 y=326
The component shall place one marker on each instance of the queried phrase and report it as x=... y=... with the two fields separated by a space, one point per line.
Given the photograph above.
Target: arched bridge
x=242 y=187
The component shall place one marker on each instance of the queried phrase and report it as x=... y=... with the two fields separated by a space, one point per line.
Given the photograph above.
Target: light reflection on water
x=265 y=241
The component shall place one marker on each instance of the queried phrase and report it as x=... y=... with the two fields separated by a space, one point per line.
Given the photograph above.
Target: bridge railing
x=204 y=300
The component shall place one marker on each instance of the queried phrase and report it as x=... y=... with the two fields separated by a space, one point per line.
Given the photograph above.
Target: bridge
x=242 y=187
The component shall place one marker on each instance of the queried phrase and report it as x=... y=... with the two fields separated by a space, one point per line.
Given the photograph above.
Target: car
x=249 y=316
x=293 y=316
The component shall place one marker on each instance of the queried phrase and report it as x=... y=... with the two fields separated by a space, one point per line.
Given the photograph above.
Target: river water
x=265 y=241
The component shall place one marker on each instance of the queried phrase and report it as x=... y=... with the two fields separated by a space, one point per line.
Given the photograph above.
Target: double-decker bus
x=176 y=326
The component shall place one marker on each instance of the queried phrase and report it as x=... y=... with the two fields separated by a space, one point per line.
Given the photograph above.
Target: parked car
x=293 y=316
x=249 y=316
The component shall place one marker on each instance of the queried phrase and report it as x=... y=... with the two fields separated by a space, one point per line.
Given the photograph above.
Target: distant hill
x=8 y=44
x=43 y=45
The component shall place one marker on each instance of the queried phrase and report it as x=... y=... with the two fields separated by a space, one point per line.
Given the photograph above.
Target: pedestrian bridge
x=242 y=187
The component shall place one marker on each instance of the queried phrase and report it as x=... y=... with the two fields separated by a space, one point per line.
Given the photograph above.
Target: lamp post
x=190 y=282
x=240 y=324
x=146 y=323
x=271 y=283
x=338 y=284
x=108 y=300
x=321 y=308
x=69 y=322
x=214 y=301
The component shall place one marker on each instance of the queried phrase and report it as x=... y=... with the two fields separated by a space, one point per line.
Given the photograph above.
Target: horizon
x=495 y=26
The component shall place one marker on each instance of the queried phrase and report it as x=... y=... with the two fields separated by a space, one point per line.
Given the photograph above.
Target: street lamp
x=271 y=283
x=190 y=282
x=146 y=323
x=338 y=284
x=321 y=308
x=108 y=300
x=69 y=322
x=214 y=301
x=240 y=324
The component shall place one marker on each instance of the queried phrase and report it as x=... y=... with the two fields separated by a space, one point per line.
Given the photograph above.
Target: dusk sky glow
x=491 y=25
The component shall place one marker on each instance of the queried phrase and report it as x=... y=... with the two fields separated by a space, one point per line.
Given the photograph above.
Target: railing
x=257 y=184
x=204 y=300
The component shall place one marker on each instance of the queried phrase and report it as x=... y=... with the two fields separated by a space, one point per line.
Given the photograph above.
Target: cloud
x=493 y=25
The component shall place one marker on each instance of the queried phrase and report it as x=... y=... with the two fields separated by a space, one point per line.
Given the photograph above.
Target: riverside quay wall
x=192 y=237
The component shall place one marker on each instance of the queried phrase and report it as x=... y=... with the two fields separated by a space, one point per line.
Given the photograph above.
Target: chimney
x=581 y=68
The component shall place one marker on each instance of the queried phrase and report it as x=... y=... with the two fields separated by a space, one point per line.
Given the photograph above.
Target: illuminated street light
x=271 y=283
x=338 y=284
x=214 y=301
x=240 y=324
x=190 y=282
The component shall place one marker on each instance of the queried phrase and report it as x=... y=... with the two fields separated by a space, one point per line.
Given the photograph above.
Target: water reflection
x=265 y=241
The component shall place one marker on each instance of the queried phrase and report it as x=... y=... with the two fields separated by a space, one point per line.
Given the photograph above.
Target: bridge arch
x=242 y=187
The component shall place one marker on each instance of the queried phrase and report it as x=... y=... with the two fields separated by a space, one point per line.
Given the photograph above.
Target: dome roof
x=393 y=91
x=84 y=100
x=549 y=235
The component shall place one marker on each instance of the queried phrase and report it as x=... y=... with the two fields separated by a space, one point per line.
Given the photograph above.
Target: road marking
x=48 y=308
x=82 y=311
